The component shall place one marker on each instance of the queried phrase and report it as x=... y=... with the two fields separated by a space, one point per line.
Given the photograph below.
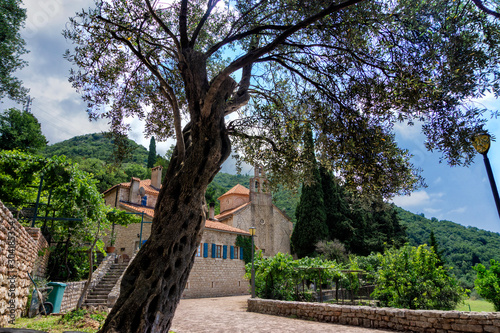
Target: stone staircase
x=98 y=297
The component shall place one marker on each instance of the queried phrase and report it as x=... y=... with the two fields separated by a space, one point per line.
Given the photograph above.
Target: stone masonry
x=403 y=320
x=211 y=277
x=19 y=250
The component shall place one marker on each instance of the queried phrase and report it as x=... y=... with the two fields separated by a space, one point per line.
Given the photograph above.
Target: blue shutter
x=205 y=250
x=224 y=252
x=231 y=252
x=241 y=253
x=214 y=249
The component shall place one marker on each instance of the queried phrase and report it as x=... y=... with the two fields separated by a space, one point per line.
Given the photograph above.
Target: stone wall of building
x=18 y=253
x=127 y=241
x=214 y=277
x=403 y=320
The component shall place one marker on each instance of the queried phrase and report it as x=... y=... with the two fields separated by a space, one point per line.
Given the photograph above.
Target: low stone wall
x=431 y=321
x=71 y=295
x=18 y=254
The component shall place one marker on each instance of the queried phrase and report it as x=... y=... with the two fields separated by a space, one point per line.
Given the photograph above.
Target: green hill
x=96 y=145
x=462 y=247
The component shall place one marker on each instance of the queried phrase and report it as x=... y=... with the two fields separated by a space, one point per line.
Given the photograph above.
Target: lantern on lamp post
x=482 y=144
x=252 y=233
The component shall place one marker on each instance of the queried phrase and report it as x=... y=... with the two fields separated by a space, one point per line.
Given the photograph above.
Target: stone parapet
x=429 y=321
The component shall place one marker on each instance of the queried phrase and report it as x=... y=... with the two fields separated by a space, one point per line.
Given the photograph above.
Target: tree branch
x=183 y=24
x=162 y=24
x=481 y=6
x=253 y=55
x=210 y=6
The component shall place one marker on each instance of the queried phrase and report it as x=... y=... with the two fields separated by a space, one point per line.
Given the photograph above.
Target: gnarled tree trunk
x=153 y=283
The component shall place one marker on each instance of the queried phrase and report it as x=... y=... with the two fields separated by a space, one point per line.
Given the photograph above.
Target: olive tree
x=247 y=75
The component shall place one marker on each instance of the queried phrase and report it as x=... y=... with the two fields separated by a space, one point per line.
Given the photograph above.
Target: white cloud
x=415 y=199
x=432 y=210
x=460 y=210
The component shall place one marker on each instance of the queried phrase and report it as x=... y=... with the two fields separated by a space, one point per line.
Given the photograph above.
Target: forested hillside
x=461 y=247
x=96 y=145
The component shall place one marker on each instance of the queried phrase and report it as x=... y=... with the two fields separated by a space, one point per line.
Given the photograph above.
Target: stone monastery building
x=219 y=268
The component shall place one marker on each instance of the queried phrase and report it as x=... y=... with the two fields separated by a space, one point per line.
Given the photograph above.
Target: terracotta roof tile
x=230 y=212
x=140 y=209
x=146 y=183
x=209 y=224
x=238 y=189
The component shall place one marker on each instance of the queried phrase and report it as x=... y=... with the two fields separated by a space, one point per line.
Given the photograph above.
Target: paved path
x=229 y=314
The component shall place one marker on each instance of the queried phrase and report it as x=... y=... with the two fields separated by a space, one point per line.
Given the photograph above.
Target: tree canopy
x=21 y=130
x=12 y=18
x=247 y=76
x=350 y=68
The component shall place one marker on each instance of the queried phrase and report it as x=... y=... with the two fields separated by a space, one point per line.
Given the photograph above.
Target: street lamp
x=252 y=233
x=482 y=145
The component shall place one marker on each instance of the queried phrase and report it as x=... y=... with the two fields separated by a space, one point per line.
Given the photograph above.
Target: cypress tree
x=336 y=208
x=311 y=216
x=152 y=153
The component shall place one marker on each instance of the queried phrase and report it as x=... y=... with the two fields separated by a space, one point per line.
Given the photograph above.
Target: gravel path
x=229 y=314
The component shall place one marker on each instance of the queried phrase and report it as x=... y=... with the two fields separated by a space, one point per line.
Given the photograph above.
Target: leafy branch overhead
x=352 y=69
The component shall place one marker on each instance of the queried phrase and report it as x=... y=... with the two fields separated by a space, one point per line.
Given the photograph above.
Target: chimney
x=156 y=177
x=211 y=212
x=134 y=195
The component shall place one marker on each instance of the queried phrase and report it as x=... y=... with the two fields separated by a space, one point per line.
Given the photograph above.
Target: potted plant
x=111 y=247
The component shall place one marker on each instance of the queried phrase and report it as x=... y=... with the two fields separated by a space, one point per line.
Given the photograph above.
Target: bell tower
x=259 y=192
x=262 y=211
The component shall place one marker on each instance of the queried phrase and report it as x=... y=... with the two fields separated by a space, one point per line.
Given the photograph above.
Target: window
x=218 y=251
x=198 y=251
x=236 y=252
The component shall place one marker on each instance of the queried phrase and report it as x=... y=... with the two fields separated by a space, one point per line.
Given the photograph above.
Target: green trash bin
x=56 y=295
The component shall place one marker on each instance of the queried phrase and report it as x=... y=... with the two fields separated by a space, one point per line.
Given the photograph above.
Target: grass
x=476 y=305
x=76 y=320
x=79 y=320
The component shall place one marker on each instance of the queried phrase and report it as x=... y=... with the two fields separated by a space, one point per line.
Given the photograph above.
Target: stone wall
x=213 y=277
x=71 y=295
x=431 y=321
x=18 y=254
x=42 y=260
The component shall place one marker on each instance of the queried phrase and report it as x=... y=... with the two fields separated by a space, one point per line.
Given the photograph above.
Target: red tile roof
x=230 y=212
x=140 y=209
x=238 y=189
x=146 y=183
x=209 y=224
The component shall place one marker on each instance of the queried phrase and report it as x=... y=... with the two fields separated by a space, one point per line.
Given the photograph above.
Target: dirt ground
x=229 y=314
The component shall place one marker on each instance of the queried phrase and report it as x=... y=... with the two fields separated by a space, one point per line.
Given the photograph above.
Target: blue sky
x=458 y=194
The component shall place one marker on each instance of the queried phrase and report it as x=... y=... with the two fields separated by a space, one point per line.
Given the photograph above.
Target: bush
x=278 y=277
x=488 y=282
x=410 y=278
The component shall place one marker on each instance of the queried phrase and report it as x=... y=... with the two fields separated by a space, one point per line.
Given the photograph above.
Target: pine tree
x=152 y=153
x=311 y=216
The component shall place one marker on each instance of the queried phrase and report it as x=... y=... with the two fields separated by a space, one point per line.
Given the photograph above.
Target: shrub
x=410 y=278
x=488 y=282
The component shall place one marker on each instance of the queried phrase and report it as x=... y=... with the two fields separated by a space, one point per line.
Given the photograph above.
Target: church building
x=219 y=268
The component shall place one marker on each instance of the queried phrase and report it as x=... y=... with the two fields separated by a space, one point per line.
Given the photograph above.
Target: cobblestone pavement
x=229 y=314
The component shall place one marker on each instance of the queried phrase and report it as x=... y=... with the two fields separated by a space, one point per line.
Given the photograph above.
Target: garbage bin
x=56 y=295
